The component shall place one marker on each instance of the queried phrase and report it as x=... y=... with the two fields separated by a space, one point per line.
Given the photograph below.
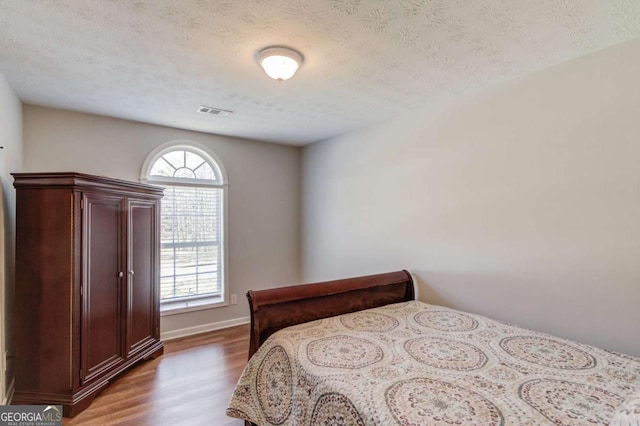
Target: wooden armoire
x=87 y=284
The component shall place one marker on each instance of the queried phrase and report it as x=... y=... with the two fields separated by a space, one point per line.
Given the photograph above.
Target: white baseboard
x=9 y=395
x=182 y=332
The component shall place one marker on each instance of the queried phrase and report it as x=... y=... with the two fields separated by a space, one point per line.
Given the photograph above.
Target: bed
x=362 y=351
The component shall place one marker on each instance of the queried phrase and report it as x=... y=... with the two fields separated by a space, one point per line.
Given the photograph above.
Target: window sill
x=181 y=307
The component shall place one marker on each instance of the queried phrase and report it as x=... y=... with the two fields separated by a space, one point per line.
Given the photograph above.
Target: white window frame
x=195 y=304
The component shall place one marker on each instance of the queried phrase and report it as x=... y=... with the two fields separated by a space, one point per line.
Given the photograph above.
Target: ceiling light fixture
x=280 y=63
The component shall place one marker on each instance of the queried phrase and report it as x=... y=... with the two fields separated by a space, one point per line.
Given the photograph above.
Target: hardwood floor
x=189 y=385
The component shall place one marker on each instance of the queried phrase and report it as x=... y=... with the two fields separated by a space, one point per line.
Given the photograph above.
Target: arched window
x=193 y=225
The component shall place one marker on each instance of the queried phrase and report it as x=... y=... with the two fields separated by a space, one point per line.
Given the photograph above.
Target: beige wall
x=10 y=161
x=520 y=202
x=263 y=193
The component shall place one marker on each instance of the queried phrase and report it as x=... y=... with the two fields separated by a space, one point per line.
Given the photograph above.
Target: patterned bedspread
x=417 y=364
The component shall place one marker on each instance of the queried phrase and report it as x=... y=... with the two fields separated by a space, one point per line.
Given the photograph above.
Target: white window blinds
x=191 y=246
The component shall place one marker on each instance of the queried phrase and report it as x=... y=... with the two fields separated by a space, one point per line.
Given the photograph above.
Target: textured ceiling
x=156 y=61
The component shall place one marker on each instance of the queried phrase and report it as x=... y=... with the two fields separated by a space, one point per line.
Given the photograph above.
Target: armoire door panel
x=104 y=277
x=142 y=305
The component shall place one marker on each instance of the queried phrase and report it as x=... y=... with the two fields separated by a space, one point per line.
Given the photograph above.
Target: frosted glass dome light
x=280 y=63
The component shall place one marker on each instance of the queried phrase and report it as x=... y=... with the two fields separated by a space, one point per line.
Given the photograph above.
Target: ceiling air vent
x=214 y=111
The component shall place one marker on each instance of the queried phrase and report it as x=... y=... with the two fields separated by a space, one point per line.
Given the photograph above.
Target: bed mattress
x=417 y=364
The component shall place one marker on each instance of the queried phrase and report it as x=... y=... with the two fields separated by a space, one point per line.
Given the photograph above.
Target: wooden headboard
x=274 y=309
